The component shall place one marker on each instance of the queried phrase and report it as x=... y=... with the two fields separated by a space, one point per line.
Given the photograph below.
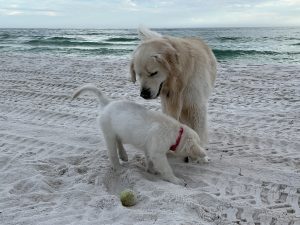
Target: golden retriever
x=182 y=71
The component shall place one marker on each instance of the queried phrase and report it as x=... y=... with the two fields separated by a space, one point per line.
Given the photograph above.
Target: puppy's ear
x=132 y=72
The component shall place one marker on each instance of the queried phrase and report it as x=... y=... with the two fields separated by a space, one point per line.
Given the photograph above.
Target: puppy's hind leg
x=161 y=164
x=122 y=153
x=111 y=141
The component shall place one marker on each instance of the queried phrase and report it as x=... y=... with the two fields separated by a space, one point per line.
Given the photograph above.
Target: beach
x=55 y=169
x=54 y=165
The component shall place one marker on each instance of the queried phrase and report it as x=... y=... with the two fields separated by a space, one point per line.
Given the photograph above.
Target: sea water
x=246 y=45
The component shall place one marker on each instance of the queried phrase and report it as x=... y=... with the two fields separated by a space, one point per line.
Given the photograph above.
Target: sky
x=151 y=13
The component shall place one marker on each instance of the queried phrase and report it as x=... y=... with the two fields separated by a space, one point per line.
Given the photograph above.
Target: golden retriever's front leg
x=196 y=118
x=172 y=106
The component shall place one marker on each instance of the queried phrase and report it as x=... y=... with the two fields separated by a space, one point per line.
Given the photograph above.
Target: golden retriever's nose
x=145 y=93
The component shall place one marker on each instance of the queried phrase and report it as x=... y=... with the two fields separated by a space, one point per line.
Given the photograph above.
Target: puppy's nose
x=145 y=93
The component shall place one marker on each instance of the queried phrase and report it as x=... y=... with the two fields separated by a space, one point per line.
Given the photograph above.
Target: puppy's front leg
x=161 y=164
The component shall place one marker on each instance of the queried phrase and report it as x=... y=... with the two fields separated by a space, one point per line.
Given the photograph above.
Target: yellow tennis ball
x=127 y=198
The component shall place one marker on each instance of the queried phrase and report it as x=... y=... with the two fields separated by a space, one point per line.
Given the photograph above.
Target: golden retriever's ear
x=161 y=59
x=171 y=57
x=132 y=72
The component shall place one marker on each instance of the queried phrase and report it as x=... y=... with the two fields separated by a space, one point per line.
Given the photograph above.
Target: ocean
x=234 y=45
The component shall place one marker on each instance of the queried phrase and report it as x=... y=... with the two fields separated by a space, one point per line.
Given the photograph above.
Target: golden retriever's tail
x=91 y=88
x=145 y=33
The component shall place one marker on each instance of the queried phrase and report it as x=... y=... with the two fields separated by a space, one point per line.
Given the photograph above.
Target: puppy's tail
x=91 y=88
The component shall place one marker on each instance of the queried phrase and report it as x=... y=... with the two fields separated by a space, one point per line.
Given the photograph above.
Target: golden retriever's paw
x=186 y=159
x=178 y=181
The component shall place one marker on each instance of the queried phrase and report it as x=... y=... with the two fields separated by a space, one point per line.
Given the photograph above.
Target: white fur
x=124 y=122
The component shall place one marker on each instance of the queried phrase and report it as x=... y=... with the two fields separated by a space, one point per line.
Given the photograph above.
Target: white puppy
x=125 y=122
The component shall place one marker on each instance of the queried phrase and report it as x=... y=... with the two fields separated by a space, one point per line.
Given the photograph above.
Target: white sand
x=54 y=167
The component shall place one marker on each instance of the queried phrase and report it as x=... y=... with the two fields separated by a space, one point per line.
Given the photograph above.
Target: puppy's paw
x=205 y=159
x=124 y=157
x=152 y=171
x=116 y=168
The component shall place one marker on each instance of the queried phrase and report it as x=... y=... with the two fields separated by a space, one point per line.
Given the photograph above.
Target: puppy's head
x=153 y=62
x=197 y=153
x=192 y=147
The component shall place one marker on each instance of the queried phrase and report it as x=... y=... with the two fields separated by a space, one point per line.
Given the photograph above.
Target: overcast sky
x=151 y=13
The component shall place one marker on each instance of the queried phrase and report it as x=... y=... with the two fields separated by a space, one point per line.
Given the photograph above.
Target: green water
x=254 y=45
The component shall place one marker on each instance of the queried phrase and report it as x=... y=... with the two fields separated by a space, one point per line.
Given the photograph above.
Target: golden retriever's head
x=154 y=61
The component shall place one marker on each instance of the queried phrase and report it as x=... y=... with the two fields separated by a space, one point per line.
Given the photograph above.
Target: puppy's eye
x=153 y=74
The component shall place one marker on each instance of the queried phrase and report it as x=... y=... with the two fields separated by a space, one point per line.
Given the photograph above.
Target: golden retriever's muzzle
x=160 y=86
x=147 y=94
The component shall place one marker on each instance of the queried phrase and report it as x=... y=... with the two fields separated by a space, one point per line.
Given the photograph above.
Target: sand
x=54 y=167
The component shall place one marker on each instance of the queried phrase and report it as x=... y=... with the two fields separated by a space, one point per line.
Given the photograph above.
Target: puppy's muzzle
x=146 y=93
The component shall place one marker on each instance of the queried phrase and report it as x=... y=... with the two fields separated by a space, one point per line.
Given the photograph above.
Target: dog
x=182 y=71
x=125 y=122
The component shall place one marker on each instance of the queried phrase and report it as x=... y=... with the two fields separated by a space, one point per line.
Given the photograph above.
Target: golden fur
x=182 y=71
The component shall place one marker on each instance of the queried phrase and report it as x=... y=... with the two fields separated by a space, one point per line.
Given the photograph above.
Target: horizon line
x=156 y=28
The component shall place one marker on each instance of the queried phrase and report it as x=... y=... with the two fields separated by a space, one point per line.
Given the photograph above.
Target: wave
x=119 y=39
x=67 y=42
x=6 y=36
x=230 y=38
x=94 y=51
x=292 y=38
x=257 y=39
x=219 y=53
x=60 y=38
x=224 y=54
x=296 y=44
x=92 y=33
x=73 y=42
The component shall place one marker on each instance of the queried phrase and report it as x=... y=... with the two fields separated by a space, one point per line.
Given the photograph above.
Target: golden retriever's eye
x=153 y=74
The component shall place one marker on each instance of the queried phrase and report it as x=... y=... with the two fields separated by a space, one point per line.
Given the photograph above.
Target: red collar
x=174 y=146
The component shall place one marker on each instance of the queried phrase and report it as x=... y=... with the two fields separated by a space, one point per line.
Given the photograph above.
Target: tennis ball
x=127 y=198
